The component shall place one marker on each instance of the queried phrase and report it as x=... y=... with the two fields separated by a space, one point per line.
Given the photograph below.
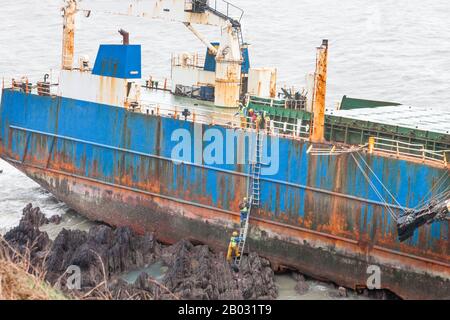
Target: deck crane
x=220 y=13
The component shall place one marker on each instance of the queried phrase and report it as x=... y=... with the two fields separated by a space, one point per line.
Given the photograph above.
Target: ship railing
x=233 y=120
x=227 y=9
x=279 y=103
x=193 y=60
x=22 y=84
x=415 y=150
x=164 y=84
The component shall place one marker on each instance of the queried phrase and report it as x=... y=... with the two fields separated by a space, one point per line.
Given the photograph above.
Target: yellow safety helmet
x=235 y=234
x=245 y=199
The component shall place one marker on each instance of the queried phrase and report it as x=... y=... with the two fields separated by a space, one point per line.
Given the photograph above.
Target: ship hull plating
x=317 y=214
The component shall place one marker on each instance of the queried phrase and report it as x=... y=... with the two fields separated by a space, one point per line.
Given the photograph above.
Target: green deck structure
x=344 y=129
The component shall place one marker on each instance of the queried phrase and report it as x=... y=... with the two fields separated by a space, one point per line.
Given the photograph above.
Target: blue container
x=207 y=93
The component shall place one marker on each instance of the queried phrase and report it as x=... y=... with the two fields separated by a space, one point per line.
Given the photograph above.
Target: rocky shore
x=103 y=254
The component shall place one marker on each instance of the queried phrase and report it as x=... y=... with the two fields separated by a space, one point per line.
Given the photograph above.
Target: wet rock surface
x=302 y=286
x=197 y=273
x=26 y=239
x=100 y=254
x=103 y=254
x=257 y=278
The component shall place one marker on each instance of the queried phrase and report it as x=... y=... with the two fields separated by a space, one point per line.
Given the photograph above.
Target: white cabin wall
x=191 y=76
x=83 y=85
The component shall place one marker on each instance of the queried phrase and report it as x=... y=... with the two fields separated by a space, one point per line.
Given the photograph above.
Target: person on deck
x=251 y=116
x=254 y=117
x=259 y=121
x=243 y=116
x=233 y=247
x=267 y=123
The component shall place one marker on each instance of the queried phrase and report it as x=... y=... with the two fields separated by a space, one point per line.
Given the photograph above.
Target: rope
x=385 y=204
x=384 y=187
x=436 y=187
x=443 y=196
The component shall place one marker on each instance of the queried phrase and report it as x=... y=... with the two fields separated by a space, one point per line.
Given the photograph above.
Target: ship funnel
x=125 y=37
x=320 y=86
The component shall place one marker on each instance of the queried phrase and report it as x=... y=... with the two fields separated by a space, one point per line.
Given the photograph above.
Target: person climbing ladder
x=244 y=206
x=233 y=247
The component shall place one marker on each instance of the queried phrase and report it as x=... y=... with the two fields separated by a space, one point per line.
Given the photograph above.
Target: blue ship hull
x=318 y=214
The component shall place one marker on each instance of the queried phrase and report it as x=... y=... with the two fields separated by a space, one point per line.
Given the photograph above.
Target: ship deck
x=432 y=119
x=166 y=104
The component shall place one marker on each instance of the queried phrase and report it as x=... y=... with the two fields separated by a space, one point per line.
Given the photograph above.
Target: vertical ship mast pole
x=320 y=87
x=68 y=39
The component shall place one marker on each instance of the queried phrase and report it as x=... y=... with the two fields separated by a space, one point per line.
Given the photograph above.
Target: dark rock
x=103 y=254
x=302 y=287
x=55 y=219
x=34 y=216
x=298 y=276
x=257 y=278
x=26 y=239
x=100 y=254
x=197 y=273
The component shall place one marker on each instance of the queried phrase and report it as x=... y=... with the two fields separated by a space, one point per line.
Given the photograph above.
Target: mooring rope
x=376 y=177
x=384 y=202
x=435 y=188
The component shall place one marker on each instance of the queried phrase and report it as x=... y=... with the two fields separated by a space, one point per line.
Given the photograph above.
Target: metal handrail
x=158 y=83
x=228 y=5
x=280 y=103
x=192 y=60
x=415 y=150
x=272 y=127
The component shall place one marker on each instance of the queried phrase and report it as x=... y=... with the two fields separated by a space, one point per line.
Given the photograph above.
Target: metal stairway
x=240 y=36
x=254 y=201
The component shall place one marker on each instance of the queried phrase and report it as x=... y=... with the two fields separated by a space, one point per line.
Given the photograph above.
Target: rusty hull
x=318 y=214
x=317 y=254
